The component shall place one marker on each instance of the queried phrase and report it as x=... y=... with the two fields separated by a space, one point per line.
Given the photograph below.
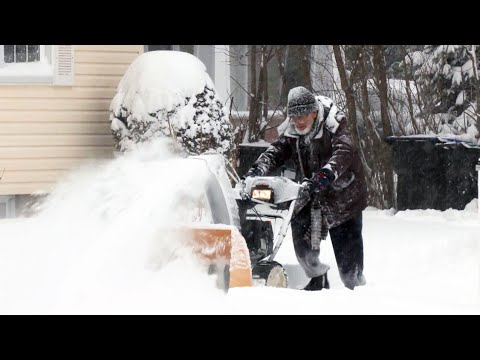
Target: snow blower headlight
x=264 y=194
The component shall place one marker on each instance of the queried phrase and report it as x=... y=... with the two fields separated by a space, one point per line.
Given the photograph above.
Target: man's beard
x=304 y=131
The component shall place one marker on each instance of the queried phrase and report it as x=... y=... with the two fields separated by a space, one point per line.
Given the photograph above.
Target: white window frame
x=15 y=73
x=9 y=201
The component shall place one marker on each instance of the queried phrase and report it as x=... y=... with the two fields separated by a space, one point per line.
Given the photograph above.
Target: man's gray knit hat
x=301 y=102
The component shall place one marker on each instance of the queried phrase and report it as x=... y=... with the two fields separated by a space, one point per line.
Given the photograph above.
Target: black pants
x=347 y=244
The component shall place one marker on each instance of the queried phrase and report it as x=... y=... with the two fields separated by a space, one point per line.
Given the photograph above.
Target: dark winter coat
x=333 y=148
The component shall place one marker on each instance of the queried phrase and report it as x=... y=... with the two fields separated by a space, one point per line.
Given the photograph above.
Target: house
x=54 y=109
x=55 y=99
x=54 y=102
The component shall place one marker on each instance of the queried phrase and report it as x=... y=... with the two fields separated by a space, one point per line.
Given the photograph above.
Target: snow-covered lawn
x=98 y=247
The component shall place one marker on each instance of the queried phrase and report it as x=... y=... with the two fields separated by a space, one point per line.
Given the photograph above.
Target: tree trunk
x=265 y=97
x=370 y=138
x=297 y=69
x=252 y=116
x=381 y=77
x=385 y=150
x=349 y=95
x=262 y=82
x=477 y=90
x=477 y=107
x=409 y=92
x=281 y=58
x=373 y=166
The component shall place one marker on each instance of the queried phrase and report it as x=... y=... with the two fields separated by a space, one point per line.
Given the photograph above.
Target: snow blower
x=266 y=206
x=214 y=236
x=246 y=226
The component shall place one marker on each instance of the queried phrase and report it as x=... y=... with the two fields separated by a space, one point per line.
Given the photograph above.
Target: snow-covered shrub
x=169 y=93
x=446 y=82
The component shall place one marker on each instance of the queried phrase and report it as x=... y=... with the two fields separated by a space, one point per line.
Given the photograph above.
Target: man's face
x=303 y=124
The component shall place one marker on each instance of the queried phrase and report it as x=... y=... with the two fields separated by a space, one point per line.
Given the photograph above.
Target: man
x=334 y=191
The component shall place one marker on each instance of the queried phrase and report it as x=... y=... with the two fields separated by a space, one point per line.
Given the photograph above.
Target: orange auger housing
x=223 y=244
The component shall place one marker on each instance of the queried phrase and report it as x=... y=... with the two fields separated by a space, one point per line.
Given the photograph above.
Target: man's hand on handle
x=318 y=182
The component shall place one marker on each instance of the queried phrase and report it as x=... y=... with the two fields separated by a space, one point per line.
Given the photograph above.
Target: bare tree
x=381 y=81
x=262 y=107
x=386 y=151
x=473 y=57
x=408 y=78
x=377 y=107
x=296 y=71
x=253 y=100
x=347 y=87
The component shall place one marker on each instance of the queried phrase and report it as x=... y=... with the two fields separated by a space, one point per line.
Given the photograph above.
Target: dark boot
x=361 y=280
x=351 y=283
x=318 y=283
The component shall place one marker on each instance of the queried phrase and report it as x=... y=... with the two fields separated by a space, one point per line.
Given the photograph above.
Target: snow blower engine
x=266 y=206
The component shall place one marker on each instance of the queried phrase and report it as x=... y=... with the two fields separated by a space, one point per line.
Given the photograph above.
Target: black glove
x=320 y=180
x=255 y=171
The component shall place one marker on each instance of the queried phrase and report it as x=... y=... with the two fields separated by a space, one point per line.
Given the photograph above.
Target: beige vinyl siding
x=47 y=130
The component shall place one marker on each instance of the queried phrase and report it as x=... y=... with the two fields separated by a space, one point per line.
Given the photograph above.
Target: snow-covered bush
x=169 y=93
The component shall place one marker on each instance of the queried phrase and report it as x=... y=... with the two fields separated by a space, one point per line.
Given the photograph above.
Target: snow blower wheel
x=269 y=273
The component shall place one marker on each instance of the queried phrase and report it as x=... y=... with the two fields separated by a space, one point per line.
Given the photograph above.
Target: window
x=21 y=53
x=204 y=52
x=186 y=48
x=215 y=59
x=158 y=47
x=26 y=64
x=240 y=77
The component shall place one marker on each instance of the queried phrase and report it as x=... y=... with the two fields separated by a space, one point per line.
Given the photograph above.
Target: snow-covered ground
x=99 y=246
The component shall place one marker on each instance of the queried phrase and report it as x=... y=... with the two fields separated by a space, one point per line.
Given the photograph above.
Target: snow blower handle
x=304 y=196
x=283 y=230
x=309 y=193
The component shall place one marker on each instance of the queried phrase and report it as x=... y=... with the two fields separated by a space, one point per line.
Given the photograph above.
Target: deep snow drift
x=98 y=245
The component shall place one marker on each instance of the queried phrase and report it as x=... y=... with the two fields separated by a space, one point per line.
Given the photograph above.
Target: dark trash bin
x=434 y=173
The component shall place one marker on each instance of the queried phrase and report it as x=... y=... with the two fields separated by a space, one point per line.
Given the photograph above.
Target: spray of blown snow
x=99 y=244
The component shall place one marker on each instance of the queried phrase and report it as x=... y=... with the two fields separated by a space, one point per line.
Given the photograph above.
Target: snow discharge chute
x=218 y=242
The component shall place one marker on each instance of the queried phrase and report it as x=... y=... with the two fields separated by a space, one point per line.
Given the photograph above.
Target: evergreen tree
x=447 y=84
x=198 y=123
